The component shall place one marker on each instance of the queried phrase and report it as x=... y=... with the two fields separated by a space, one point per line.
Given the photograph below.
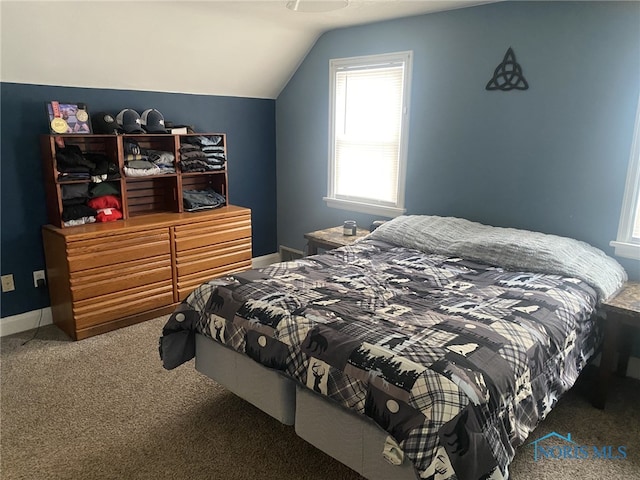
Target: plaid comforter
x=456 y=359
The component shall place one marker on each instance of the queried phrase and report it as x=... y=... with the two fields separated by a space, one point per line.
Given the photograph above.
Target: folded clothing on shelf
x=108 y=208
x=202 y=199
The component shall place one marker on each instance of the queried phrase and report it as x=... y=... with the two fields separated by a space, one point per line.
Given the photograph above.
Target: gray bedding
x=508 y=248
x=456 y=358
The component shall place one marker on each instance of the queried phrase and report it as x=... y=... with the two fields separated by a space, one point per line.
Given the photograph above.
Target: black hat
x=129 y=121
x=153 y=121
x=103 y=122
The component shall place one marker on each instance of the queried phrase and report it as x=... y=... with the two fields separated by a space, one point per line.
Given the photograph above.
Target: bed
x=429 y=349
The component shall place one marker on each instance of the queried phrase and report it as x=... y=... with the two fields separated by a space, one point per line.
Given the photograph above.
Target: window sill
x=626 y=249
x=390 y=212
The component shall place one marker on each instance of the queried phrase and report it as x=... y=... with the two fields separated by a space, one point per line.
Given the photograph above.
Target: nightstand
x=623 y=315
x=330 y=238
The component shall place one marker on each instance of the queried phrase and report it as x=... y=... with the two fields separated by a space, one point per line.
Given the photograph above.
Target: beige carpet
x=104 y=408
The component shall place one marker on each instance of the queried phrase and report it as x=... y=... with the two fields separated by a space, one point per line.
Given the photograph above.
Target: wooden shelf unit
x=140 y=195
x=103 y=276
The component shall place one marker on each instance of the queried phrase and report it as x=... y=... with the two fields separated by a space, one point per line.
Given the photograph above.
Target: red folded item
x=105 y=201
x=108 y=215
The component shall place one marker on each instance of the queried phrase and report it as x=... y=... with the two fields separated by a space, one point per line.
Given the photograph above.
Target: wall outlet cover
x=7 y=283
x=39 y=275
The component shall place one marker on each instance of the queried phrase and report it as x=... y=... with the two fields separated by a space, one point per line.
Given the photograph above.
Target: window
x=368 y=126
x=628 y=241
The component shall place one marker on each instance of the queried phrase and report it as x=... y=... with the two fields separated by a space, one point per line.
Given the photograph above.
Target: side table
x=330 y=238
x=623 y=313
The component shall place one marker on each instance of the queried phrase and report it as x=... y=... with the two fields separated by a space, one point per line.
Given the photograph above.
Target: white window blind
x=627 y=243
x=636 y=225
x=367 y=133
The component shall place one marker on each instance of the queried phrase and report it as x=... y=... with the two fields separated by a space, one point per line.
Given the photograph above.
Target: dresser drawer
x=117 y=249
x=108 y=276
x=210 y=257
x=201 y=234
x=102 y=309
x=188 y=283
x=103 y=280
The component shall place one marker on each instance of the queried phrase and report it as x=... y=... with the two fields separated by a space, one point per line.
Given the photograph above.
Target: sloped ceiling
x=231 y=48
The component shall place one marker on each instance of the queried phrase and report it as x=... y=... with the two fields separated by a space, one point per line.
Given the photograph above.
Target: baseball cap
x=129 y=121
x=153 y=121
x=104 y=122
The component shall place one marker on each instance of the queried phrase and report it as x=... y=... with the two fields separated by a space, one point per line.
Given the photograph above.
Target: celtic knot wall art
x=508 y=75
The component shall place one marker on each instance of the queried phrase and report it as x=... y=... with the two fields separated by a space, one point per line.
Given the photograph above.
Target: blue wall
x=248 y=123
x=552 y=158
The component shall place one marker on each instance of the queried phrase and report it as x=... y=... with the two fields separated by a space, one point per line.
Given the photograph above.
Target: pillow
x=509 y=248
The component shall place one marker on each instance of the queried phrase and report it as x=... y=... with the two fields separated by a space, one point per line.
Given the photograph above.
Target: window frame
x=625 y=244
x=359 y=62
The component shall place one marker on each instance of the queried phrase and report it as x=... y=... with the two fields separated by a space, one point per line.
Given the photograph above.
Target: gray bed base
x=351 y=439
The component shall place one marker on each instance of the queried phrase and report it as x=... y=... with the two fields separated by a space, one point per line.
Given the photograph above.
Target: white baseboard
x=25 y=321
x=264 y=260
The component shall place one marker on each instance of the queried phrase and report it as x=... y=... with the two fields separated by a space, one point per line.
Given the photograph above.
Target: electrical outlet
x=39 y=275
x=7 y=283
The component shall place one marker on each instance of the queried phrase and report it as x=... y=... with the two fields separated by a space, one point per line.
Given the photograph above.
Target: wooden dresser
x=108 y=275
x=104 y=276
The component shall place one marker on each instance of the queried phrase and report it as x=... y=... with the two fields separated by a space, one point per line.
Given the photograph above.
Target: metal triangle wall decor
x=508 y=75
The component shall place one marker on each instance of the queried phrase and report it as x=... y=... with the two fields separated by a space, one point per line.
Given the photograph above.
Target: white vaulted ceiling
x=231 y=48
